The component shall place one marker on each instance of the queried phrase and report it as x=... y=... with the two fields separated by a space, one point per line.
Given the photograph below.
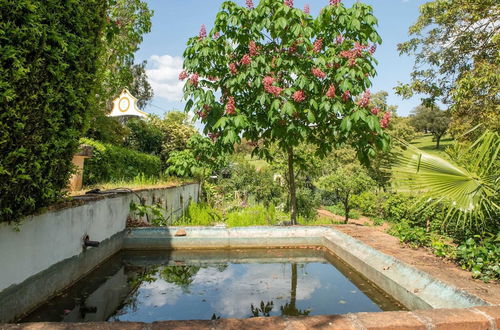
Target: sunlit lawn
x=426 y=143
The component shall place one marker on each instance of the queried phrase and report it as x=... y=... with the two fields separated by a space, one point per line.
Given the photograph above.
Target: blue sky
x=177 y=20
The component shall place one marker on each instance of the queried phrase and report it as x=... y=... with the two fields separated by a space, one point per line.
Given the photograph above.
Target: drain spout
x=88 y=243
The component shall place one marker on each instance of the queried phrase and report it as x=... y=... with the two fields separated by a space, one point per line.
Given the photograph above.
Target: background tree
x=455 y=44
x=127 y=22
x=346 y=182
x=140 y=86
x=430 y=120
x=286 y=78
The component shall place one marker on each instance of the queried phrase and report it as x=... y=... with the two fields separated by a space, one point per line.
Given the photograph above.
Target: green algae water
x=186 y=285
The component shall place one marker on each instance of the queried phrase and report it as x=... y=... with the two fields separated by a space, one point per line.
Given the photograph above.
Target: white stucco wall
x=46 y=239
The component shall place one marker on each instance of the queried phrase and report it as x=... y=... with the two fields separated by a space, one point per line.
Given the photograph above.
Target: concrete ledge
x=413 y=288
x=487 y=318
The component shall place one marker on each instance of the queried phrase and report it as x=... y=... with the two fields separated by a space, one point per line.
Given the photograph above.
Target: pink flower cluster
x=194 y=79
x=268 y=86
x=230 y=106
x=203 y=32
x=253 y=49
x=334 y=2
x=232 y=68
x=386 y=119
x=339 y=39
x=216 y=35
x=289 y=3
x=346 y=96
x=331 y=92
x=373 y=49
x=249 y=4
x=364 y=101
x=318 y=45
x=299 y=96
x=375 y=111
x=318 y=73
x=246 y=60
x=354 y=53
x=183 y=75
x=307 y=9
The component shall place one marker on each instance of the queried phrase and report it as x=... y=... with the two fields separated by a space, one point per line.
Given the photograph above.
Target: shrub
x=481 y=257
x=369 y=203
x=49 y=54
x=111 y=163
x=413 y=236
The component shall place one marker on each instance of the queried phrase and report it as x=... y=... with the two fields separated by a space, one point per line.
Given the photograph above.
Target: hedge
x=49 y=58
x=110 y=163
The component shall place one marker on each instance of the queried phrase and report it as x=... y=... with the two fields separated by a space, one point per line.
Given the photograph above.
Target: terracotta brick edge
x=478 y=318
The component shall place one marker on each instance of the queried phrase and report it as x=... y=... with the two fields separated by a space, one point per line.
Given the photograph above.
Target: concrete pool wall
x=47 y=254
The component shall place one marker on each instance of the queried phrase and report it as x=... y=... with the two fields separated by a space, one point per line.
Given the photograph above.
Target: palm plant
x=467 y=184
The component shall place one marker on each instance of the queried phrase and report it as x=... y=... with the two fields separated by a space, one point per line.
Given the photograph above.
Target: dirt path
x=445 y=270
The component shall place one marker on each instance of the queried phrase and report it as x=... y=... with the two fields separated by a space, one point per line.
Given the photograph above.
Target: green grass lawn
x=425 y=143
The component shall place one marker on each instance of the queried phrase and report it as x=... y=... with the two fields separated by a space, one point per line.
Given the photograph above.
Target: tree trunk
x=346 y=208
x=293 y=292
x=438 y=139
x=292 y=187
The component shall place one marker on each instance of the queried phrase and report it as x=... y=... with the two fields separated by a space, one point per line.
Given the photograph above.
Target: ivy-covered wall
x=49 y=52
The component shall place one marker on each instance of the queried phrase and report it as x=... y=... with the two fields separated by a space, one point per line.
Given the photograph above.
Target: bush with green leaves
x=481 y=256
x=49 y=58
x=111 y=163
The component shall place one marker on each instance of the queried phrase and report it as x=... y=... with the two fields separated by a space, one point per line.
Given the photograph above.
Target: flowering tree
x=274 y=75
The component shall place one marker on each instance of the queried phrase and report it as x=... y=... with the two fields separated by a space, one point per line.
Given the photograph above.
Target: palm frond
x=469 y=190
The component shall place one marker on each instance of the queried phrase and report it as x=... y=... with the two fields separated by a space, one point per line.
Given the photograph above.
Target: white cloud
x=269 y=283
x=160 y=293
x=164 y=76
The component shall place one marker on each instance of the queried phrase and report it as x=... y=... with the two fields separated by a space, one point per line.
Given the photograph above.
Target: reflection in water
x=290 y=309
x=148 y=287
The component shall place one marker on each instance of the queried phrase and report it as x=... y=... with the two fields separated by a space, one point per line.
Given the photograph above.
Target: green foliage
x=144 y=136
x=455 y=44
x=430 y=120
x=257 y=215
x=482 y=257
x=248 y=183
x=468 y=186
x=339 y=209
x=345 y=182
x=127 y=22
x=153 y=213
x=198 y=160
x=111 y=163
x=49 y=59
x=369 y=203
x=279 y=66
x=413 y=236
x=307 y=203
x=199 y=214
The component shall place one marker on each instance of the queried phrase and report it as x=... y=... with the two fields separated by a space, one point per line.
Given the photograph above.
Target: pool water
x=185 y=285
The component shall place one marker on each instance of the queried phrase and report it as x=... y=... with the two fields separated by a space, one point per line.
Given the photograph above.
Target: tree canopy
x=273 y=74
x=455 y=44
x=430 y=120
